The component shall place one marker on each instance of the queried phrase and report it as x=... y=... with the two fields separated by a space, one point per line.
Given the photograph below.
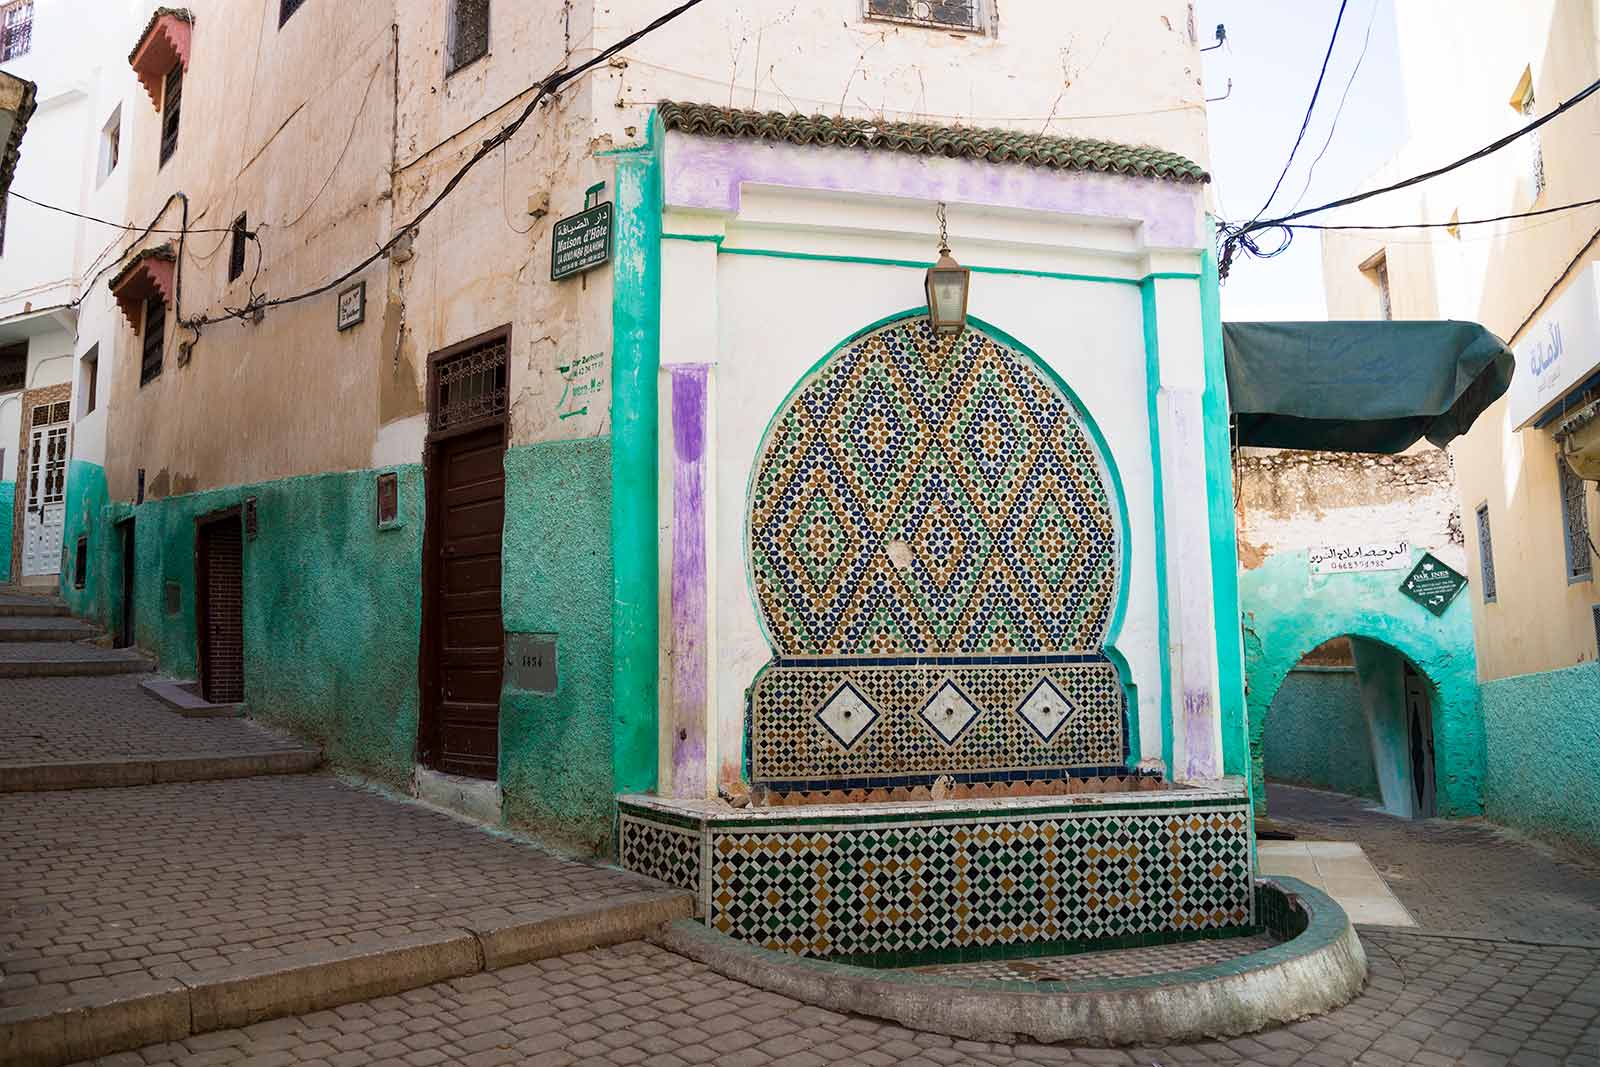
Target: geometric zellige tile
x=846 y=715
x=1045 y=709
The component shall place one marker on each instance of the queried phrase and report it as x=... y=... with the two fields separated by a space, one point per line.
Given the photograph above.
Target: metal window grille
x=469 y=32
x=236 y=253
x=1486 y=555
x=47 y=461
x=16 y=29
x=1575 y=523
x=287 y=8
x=943 y=14
x=60 y=411
x=171 y=105
x=13 y=367
x=1597 y=629
x=470 y=387
x=155 y=325
x=1535 y=149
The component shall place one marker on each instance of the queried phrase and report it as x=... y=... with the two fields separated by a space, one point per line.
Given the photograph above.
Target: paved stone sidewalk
x=104 y=886
x=1456 y=874
x=110 y=717
x=1430 y=1001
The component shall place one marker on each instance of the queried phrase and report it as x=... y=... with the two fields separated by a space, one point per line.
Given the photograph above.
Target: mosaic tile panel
x=667 y=853
x=920 y=496
x=1031 y=718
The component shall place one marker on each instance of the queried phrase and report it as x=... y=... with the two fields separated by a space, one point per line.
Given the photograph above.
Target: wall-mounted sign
x=388 y=500
x=352 y=305
x=1357 y=559
x=580 y=242
x=531 y=662
x=1433 y=584
x=1560 y=349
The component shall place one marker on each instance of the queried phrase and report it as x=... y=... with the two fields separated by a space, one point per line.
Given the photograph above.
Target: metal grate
x=16 y=29
x=1597 y=630
x=1486 y=554
x=224 y=613
x=1575 y=522
x=470 y=387
x=469 y=32
x=171 y=105
x=943 y=14
x=236 y=253
x=152 y=340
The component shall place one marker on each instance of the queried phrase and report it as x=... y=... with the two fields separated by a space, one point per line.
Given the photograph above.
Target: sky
x=1273 y=52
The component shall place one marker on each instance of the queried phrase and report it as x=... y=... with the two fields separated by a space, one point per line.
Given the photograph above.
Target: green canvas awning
x=1360 y=386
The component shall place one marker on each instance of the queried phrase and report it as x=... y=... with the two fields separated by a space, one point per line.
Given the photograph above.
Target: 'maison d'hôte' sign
x=580 y=242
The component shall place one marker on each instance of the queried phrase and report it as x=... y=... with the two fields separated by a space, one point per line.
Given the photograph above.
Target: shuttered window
x=151 y=340
x=1575 y=523
x=1486 y=554
x=171 y=104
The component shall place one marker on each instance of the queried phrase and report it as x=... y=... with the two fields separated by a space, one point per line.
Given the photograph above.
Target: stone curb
x=1474 y=935
x=1321 y=969
x=43 y=609
x=174 y=694
x=139 y=770
x=14 y=634
x=146 y=1011
x=74 y=668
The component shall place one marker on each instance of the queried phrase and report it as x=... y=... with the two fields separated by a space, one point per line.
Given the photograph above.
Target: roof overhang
x=146 y=274
x=1375 y=386
x=18 y=98
x=163 y=45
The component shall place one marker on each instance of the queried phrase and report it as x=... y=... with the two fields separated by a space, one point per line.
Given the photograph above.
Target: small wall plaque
x=251 y=524
x=388 y=500
x=174 y=598
x=531 y=662
x=580 y=242
x=352 y=305
x=1433 y=584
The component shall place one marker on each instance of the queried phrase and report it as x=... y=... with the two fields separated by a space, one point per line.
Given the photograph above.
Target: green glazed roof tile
x=917 y=138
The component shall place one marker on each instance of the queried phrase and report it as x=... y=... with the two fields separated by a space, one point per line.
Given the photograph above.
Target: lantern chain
x=944 y=230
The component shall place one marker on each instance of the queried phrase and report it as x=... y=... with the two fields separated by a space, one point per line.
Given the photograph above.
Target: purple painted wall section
x=1199 y=728
x=689 y=664
x=707 y=173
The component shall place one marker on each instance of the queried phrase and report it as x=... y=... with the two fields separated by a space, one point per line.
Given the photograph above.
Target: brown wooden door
x=220 y=578
x=466 y=512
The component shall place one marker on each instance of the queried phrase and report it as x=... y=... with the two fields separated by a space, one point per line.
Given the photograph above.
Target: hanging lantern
x=948 y=283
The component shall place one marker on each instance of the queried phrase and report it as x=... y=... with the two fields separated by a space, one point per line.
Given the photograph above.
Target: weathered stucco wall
x=8 y=493
x=1316 y=734
x=1290 y=611
x=1543 y=761
x=85 y=502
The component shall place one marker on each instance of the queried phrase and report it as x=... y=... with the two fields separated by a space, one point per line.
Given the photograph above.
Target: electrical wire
x=1445 y=225
x=1339 y=111
x=548 y=86
x=142 y=231
x=1310 y=108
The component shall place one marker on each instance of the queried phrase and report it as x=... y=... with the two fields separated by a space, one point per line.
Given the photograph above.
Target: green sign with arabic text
x=1433 y=584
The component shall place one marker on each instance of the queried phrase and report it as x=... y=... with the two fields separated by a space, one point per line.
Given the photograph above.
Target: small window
x=236 y=252
x=1377 y=268
x=152 y=339
x=1523 y=102
x=111 y=143
x=1597 y=631
x=171 y=105
x=1486 y=554
x=16 y=29
x=940 y=14
x=88 y=371
x=13 y=367
x=287 y=8
x=1575 y=523
x=80 y=570
x=468 y=35
x=4 y=202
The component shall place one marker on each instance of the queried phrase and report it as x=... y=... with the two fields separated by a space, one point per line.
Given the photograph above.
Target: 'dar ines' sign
x=581 y=242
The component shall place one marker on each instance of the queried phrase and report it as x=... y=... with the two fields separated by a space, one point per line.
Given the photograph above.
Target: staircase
x=39 y=638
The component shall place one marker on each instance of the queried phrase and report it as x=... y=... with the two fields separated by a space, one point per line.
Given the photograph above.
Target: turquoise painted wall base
x=1543 y=758
x=1316 y=734
x=8 y=503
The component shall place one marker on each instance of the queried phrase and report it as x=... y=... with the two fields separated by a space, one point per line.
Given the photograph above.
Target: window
x=111 y=143
x=171 y=104
x=4 y=201
x=236 y=253
x=287 y=8
x=1575 y=523
x=1377 y=268
x=1522 y=101
x=943 y=14
x=13 y=367
x=152 y=338
x=1486 y=554
x=16 y=29
x=88 y=371
x=81 y=564
x=468 y=37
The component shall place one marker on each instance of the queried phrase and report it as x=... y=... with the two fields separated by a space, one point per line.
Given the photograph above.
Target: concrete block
x=141 y=1011
x=101 y=774
x=520 y=939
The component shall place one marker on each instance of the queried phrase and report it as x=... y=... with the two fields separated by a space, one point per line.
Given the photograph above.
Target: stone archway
x=1285 y=617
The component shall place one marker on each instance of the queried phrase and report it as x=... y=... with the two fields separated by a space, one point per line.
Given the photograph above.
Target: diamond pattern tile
x=1045 y=710
x=846 y=715
x=949 y=712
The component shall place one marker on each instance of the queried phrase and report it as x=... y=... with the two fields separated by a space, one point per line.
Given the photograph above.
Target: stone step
x=60 y=659
x=15 y=604
x=154 y=770
x=45 y=628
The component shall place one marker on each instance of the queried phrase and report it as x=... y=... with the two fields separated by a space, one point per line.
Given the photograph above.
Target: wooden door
x=1419 y=726
x=125 y=627
x=219 y=567
x=45 y=482
x=466 y=512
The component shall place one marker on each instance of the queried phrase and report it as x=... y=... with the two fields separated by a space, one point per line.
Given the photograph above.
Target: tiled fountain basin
x=1317 y=965
x=896 y=885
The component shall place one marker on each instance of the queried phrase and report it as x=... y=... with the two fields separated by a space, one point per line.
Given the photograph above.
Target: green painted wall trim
x=1543 y=762
x=556 y=748
x=8 y=504
x=85 y=496
x=707 y=238
x=1152 y=370
x=635 y=367
x=1224 y=542
x=1288 y=611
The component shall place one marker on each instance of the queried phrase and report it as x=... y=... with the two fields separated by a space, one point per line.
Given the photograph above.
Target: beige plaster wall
x=1461 y=61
